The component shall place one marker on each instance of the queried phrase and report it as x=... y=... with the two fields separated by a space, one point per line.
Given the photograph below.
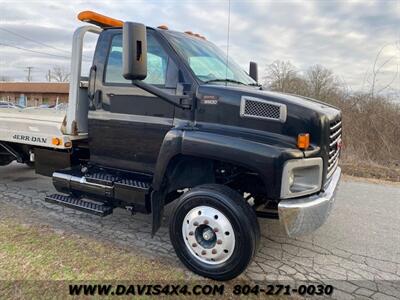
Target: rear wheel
x=214 y=232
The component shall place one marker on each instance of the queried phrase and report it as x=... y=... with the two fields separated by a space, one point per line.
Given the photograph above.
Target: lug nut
x=196 y=223
x=215 y=229
x=214 y=251
x=219 y=242
x=205 y=222
x=194 y=245
x=204 y=252
x=191 y=233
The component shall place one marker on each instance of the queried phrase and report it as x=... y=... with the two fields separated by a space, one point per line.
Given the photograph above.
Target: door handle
x=110 y=94
x=97 y=99
x=92 y=80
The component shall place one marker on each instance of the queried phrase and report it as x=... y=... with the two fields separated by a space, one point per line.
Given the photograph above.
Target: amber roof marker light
x=164 y=27
x=99 y=19
x=195 y=34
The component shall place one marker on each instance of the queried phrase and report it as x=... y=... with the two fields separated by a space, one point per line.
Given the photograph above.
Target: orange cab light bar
x=98 y=19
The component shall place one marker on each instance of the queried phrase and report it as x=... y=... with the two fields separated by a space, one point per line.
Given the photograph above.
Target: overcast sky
x=344 y=36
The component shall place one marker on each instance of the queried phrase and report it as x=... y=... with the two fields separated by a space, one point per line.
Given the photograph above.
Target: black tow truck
x=163 y=118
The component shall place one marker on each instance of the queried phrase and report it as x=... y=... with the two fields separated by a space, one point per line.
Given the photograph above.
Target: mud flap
x=157 y=210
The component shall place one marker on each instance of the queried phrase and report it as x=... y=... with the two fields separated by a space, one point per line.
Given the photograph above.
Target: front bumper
x=306 y=214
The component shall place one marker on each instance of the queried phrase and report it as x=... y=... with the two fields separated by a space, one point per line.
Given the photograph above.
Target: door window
x=157 y=61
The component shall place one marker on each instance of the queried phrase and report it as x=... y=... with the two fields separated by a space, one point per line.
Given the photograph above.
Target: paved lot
x=357 y=250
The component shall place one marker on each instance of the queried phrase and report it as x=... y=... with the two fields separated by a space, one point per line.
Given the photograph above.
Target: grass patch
x=37 y=263
x=35 y=253
x=373 y=171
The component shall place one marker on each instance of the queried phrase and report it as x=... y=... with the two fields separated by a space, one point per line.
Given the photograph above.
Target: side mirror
x=253 y=71
x=134 y=58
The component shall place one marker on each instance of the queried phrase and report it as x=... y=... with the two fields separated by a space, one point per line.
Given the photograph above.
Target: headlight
x=301 y=177
x=291 y=180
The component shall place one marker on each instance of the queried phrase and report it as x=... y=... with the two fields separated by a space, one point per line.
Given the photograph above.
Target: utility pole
x=49 y=76
x=29 y=73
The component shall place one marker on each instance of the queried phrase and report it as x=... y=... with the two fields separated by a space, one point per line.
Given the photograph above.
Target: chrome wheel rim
x=208 y=235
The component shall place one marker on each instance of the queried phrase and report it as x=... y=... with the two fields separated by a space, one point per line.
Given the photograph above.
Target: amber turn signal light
x=303 y=141
x=56 y=141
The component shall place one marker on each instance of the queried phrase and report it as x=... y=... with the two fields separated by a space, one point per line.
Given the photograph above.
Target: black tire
x=242 y=219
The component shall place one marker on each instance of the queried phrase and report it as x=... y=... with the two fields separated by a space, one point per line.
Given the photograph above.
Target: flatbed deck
x=35 y=126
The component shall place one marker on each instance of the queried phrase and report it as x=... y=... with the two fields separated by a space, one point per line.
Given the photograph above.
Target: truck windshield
x=207 y=61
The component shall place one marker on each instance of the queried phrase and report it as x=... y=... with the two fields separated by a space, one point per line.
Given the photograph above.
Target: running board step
x=133 y=184
x=101 y=178
x=127 y=181
x=80 y=204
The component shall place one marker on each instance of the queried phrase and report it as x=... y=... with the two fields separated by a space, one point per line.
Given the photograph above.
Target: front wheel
x=214 y=232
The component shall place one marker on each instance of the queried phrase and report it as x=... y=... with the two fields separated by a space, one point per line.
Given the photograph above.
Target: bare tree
x=281 y=75
x=298 y=86
x=321 y=82
x=377 y=69
x=58 y=74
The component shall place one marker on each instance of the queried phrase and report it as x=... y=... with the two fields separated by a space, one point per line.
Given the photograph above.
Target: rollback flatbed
x=41 y=127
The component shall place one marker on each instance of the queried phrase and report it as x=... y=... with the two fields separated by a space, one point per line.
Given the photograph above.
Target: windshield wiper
x=225 y=80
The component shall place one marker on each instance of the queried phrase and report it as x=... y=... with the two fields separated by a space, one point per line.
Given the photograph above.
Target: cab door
x=128 y=125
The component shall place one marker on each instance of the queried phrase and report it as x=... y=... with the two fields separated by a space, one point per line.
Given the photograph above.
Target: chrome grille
x=335 y=137
x=261 y=109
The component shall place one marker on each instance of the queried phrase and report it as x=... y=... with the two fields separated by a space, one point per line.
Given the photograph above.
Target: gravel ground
x=357 y=250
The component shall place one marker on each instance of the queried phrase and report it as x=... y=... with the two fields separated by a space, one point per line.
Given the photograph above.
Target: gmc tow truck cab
x=162 y=118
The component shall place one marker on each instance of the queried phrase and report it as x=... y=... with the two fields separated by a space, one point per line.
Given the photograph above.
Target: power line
x=40 y=43
x=84 y=58
x=32 y=40
x=34 y=51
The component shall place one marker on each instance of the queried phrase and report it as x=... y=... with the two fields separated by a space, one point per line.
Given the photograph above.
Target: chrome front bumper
x=306 y=214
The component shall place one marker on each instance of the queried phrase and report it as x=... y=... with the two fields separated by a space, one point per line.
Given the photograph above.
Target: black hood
x=303 y=115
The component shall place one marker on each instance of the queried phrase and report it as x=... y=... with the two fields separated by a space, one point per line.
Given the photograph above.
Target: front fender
x=265 y=159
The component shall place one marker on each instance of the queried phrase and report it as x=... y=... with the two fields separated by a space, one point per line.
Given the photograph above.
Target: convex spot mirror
x=134 y=58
